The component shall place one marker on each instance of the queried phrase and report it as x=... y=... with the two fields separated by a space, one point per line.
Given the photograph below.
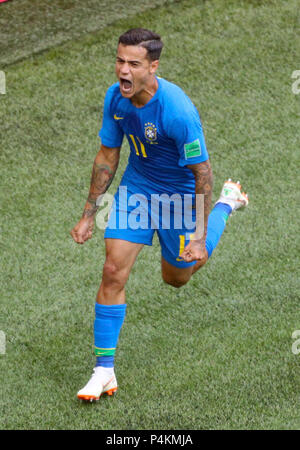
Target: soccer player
x=167 y=156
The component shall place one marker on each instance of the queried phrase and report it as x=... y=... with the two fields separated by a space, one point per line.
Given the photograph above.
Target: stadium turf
x=215 y=354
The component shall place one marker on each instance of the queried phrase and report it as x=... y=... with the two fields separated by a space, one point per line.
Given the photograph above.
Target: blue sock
x=216 y=225
x=108 y=322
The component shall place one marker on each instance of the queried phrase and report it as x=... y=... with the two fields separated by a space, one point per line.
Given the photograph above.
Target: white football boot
x=103 y=381
x=233 y=196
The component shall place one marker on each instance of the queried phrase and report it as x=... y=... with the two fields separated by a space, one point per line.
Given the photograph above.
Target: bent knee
x=112 y=274
x=175 y=282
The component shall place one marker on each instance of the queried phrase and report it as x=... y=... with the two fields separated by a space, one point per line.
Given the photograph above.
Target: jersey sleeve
x=186 y=130
x=111 y=134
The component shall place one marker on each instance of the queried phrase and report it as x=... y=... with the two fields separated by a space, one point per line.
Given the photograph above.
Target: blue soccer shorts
x=135 y=217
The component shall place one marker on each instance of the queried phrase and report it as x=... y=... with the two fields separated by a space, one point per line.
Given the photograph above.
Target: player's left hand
x=195 y=251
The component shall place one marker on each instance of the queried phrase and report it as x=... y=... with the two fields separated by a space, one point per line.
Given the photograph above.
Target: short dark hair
x=145 y=38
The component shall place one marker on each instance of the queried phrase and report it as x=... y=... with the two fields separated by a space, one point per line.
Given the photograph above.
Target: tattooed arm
x=195 y=250
x=104 y=169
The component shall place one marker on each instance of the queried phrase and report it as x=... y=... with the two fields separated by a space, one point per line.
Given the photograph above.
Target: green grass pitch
x=215 y=354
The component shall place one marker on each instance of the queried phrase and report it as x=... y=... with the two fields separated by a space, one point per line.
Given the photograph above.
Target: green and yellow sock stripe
x=104 y=351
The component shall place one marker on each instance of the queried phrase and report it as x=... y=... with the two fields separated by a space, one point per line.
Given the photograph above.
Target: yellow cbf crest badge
x=150 y=132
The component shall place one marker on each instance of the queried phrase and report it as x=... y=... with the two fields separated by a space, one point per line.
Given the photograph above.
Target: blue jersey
x=164 y=136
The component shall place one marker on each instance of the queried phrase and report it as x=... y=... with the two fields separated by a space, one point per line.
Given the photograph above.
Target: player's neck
x=142 y=98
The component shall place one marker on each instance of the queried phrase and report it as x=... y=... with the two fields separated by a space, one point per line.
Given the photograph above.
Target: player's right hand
x=83 y=230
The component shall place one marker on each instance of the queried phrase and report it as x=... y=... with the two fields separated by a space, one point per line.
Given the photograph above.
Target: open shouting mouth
x=126 y=85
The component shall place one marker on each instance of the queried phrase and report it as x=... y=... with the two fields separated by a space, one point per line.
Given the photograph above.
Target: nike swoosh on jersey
x=118 y=118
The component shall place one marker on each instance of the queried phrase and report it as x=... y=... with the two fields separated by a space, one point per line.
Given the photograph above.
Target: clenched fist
x=83 y=230
x=195 y=251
